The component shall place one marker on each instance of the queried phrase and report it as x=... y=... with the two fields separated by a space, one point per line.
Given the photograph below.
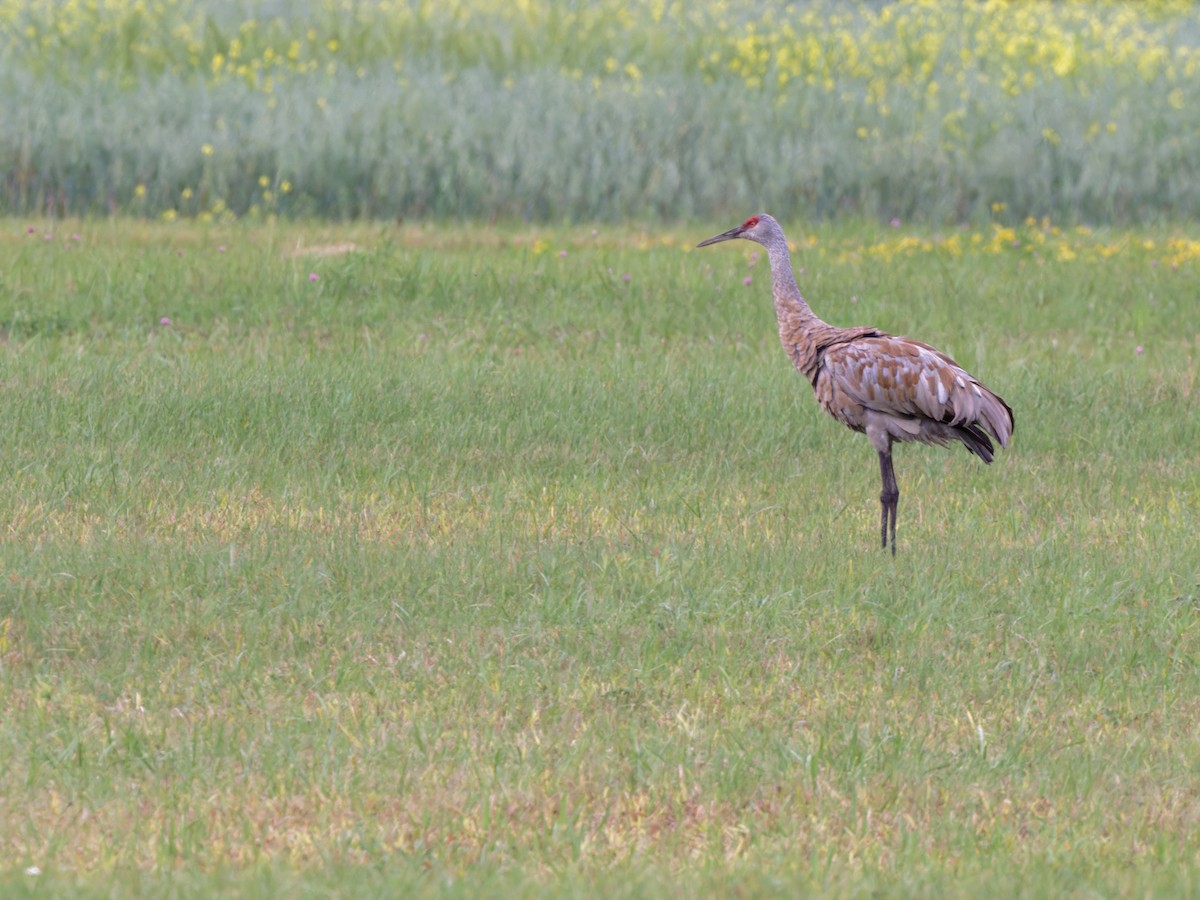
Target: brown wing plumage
x=897 y=389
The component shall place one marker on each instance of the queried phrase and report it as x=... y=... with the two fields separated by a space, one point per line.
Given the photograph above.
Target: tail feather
x=996 y=417
x=976 y=440
x=992 y=417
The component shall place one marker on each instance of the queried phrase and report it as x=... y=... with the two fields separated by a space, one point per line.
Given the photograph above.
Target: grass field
x=366 y=559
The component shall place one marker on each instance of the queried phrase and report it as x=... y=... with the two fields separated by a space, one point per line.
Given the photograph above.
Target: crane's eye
x=750 y=222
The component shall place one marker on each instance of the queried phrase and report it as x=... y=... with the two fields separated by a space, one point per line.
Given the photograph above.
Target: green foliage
x=385 y=560
x=538 y=111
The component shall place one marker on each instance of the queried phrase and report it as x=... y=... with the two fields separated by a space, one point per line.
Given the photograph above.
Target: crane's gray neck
x=788 y=300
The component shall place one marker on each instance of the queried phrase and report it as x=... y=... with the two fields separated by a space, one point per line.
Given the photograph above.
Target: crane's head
x=758 y=228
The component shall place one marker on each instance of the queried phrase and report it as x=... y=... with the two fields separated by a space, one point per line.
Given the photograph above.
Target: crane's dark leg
x=889 y=498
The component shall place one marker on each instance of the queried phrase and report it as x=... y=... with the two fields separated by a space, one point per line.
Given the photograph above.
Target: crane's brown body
x=886 y=387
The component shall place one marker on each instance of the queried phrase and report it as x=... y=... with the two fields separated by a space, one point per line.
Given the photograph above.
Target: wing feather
x=906 y=382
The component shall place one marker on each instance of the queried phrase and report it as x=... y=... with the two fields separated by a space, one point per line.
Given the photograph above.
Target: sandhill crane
x=888 y=388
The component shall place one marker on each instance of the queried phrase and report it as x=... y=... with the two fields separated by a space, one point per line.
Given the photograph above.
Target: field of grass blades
x=378 y=559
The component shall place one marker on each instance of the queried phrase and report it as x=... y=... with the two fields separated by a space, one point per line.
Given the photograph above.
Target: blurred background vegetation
x=543 y=110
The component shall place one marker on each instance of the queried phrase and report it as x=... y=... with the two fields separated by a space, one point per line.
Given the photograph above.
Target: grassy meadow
x=373 y=559
x=394 y=501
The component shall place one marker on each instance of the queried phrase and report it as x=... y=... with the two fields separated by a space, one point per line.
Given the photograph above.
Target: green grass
x=469 y=567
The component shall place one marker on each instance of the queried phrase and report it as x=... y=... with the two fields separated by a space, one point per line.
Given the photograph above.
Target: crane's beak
x=723 y=236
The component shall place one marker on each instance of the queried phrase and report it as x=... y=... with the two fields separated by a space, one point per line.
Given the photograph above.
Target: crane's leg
x=889 y=498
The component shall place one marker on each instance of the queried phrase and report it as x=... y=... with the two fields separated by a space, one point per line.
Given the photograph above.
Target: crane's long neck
x=798 y=324
x=789 y=303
